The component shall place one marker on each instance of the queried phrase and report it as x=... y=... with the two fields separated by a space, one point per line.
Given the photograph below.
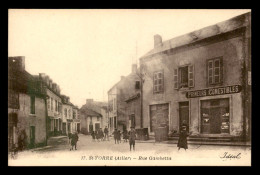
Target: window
x=183 y=77
x=215 y=68
x=74 y=115
x=51 y=104
x=69 y=113
x=65 y=112
x=32 y=104
x=48 y=104
x=137 y=84
x=158 y=82
x=56 y=105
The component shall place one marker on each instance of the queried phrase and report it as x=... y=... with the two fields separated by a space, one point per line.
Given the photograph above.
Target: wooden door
x=215 y=120
x=184 y=114
x=32 y=136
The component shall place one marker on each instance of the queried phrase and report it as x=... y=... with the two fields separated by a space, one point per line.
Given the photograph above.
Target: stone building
x=93 y=115
x=67 y=115
x=124 y=103
x=202 y=78
x=26 y=107
x=54 y=106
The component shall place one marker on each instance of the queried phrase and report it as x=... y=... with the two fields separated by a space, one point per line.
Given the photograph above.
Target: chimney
x=54 y=86
x=17 y=62
x=157 y=40
x=50 y=83
x=89 y=101
x=134 y=68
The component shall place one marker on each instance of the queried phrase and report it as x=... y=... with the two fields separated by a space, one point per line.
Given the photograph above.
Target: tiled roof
x=219 y=28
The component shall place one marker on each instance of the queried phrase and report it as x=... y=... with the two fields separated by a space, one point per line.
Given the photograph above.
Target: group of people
x=131 y=136
x=73 y=139
x=100 y=135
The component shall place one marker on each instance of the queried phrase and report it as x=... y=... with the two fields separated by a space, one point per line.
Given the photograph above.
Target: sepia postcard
x=129 y=87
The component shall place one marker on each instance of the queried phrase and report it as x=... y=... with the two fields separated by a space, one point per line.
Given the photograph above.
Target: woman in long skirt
x=182 y=142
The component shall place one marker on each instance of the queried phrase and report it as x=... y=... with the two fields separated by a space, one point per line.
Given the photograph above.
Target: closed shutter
x=191 y=76
x=210 y=72
x=221 y=70
x=175 y=79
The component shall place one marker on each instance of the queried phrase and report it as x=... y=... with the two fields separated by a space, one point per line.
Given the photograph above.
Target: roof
x=132 y=97
x=213 y=30
x=90 y=112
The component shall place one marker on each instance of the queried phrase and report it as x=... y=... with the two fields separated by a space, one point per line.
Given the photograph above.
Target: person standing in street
x=76 y=137
x=125 y=135
x=182 y=142
x=106 y=133
x=115 y=133
x=132 y=137
x=119 y=136
x=93 y=135
x=101 y=134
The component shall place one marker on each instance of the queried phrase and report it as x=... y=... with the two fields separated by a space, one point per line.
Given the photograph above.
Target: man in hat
x=132 y=137
x=115 y=133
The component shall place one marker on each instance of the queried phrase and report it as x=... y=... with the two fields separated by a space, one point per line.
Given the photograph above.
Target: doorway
x=184 y=114
x=97 y=126
x=32 y=136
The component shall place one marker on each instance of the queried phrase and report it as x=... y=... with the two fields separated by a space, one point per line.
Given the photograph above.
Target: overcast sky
x=86 y=51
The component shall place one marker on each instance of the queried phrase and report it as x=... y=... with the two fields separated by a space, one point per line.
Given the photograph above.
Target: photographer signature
x=228 y=156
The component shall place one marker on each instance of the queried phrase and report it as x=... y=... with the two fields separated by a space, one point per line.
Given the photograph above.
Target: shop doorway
x=91 y=128
x=97 y=126
x=215 y=116
x=159 y=116
x=32 y=136
x=184 y=114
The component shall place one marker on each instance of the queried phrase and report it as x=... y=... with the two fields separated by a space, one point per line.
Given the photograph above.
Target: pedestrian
x=101 y=134
x=76 y=136
x=182 y=142
x=119 y=136
x=115 y=133
x=125 y=135
x=70 y=137
x=106 y=133
x=72 y=141
x=132 y=137
x=93 y=135
x=97 y=135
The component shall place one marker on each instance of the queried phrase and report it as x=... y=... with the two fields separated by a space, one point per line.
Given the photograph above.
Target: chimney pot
x=157 y=40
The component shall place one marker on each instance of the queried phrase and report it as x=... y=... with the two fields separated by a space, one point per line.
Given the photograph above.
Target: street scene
x=147 y=153
x=94 y=87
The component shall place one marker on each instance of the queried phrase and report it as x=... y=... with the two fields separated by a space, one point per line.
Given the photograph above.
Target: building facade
x=121 y=104
x=26 y=107
x=93 y=116
x=54 y=106
x=201 y=79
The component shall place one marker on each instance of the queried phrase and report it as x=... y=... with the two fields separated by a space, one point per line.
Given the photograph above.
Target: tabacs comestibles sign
x=214 y=91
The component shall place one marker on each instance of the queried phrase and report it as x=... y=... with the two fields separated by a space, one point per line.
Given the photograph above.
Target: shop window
x=158 y=82
x=215 y=69
x=183 y=77
x=215 y=116
x=32 y=105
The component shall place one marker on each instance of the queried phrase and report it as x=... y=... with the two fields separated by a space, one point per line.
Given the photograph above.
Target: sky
x=86 y=51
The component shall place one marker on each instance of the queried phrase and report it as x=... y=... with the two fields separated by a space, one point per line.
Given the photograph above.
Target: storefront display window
x=215 y=116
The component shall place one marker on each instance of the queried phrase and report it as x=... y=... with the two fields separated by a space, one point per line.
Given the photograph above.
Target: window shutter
x=175 y=78
x=191 y=76
x=221 y=70
x=210 y=72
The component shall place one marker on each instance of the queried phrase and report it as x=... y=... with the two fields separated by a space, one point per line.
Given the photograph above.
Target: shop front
x=219 y=111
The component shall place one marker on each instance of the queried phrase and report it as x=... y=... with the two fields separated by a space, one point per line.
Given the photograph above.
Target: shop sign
x=214 y=91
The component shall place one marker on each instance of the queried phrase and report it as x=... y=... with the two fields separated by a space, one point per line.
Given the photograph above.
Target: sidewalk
x=247 y=144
